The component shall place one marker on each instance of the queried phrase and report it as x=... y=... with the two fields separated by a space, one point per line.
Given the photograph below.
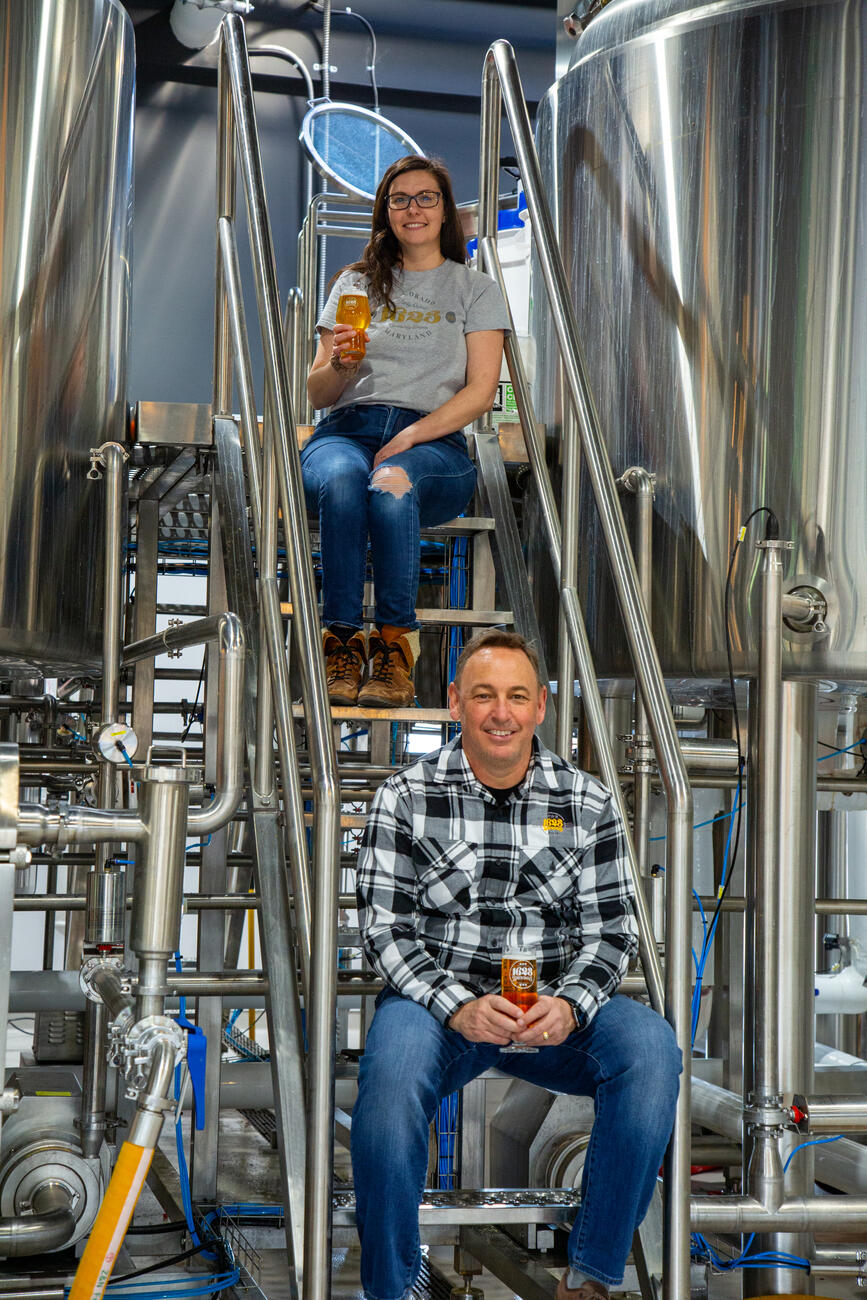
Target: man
x=494 y=841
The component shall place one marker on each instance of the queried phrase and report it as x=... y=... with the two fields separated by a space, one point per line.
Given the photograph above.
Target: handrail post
x=281 y=442
x=500 y=63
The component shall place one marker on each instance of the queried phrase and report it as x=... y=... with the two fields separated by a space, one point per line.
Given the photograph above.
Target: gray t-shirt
x=417 y=355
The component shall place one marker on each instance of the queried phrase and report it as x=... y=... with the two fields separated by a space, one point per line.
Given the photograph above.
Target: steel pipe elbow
x=50 y=1226
x=230 y=770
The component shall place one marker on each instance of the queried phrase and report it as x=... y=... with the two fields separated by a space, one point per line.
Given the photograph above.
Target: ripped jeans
x=339 y=485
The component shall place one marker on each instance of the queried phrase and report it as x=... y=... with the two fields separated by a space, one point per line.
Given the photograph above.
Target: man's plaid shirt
x=447 y=878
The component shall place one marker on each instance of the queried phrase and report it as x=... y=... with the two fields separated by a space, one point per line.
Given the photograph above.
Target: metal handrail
x=238 y=133
x=262 y=505
x=501 y=87
x=591 y=698
x=308 y=277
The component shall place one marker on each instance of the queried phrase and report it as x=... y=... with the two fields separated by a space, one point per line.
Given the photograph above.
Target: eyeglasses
x=426 y=199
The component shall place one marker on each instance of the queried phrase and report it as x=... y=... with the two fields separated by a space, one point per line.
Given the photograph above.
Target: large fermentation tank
x=66 y=150
x=707 y=168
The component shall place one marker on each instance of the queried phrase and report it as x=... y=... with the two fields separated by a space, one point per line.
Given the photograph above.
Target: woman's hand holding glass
x=343 y=336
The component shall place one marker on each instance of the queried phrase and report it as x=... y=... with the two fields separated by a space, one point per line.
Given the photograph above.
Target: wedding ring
x=545 y=1034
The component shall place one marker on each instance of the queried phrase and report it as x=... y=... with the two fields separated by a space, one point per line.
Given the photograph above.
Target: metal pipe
x=114 y=458
x=639 y=481
x=500 y=78
x=837 y=784
x=227 y=631
x=49 y=1227
x=192 y=902
x=710 y=755
x=733 y=1214
x=321 y=1008
x=762 y=971
x=762 y=1162
x=201 y=984
x=155 y=925
x=104 y=929
x=792 y=930
x=77 y=825
x=94 y=1073
x=823 y=906
x=839 y=1255
x=112 y=987
x=837 y=1115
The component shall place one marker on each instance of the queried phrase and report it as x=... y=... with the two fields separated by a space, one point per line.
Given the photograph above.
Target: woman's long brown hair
x=382 y=251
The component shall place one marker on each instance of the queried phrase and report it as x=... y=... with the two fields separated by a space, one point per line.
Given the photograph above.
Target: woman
x=390 y=458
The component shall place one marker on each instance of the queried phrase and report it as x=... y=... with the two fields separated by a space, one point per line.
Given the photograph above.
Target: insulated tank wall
x=66 y=149
x=707 y=165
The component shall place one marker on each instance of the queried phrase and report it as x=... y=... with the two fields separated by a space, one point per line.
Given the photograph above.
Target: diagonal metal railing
x=280 y=483
x=501 y=89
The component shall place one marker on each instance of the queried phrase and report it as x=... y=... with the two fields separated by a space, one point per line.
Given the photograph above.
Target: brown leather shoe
x=344 y=666
x=393 y=651
x=589 y=1290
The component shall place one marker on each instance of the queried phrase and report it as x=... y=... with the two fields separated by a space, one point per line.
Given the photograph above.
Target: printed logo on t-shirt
x=414 y=319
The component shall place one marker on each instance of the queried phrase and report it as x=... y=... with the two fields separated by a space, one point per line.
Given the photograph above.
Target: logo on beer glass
x=522 y=975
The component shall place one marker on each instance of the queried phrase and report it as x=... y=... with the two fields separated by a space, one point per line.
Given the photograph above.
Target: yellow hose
x=110 y=1224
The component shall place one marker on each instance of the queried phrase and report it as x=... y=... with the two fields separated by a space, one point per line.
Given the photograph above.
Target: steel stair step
x=456 y=617
x=342 y=714
x=488 y=1205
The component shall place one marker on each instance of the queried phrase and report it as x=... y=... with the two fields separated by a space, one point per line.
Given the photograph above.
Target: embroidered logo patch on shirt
x=552 y=824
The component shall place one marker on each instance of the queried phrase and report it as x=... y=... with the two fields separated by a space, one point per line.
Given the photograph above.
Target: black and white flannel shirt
x=447 y=878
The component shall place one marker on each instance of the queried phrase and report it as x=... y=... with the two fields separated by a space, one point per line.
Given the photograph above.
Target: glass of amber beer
x=354 y=309
x=518 y=985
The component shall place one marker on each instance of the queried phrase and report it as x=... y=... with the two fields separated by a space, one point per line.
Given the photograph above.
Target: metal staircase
x=236 y=481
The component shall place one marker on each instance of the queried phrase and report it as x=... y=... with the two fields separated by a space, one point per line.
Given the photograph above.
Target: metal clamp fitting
x=97 y=459
x=89 y=967
x=134 y=1046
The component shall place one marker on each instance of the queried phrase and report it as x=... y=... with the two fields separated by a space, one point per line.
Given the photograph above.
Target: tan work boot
x=344 y=666
x=393 y=651
x=590 y=1289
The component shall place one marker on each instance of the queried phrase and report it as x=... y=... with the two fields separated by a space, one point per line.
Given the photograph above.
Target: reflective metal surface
x=66 y=150
x=706 y=164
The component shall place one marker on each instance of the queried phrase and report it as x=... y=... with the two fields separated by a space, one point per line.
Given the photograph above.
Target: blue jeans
x=626 y=1059
x=337 y=464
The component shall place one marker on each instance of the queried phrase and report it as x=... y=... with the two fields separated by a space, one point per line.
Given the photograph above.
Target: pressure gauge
x=116 y=742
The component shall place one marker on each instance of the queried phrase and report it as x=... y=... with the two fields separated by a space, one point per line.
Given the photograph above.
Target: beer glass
x=354 y=309
x=518 y=985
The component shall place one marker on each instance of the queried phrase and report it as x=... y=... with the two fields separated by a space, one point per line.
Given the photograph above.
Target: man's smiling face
x=499 y=703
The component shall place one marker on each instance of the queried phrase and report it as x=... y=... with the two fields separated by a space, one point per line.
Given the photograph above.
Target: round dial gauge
x=116 y=742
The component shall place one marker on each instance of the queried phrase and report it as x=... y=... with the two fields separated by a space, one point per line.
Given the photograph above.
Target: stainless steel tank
x=707 y=163
x=66 y=149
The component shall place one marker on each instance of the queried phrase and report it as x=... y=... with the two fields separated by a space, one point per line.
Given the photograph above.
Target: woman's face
x=415 y=227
